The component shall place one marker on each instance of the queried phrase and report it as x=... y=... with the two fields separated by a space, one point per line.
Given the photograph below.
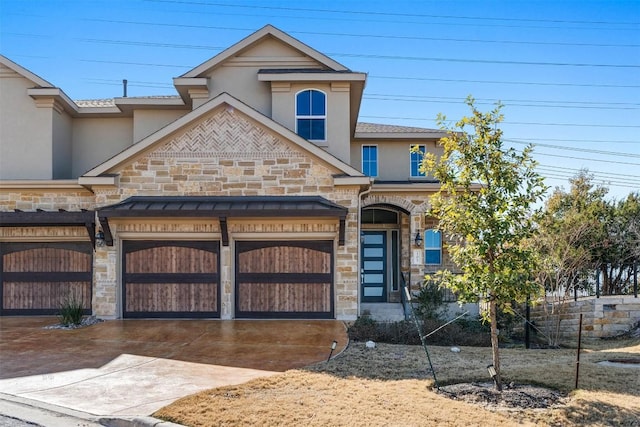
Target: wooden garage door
x=171 y=279
x=36 y=278
x=285 y=279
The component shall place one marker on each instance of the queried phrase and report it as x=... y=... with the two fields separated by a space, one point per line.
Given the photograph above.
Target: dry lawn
x=392 y=386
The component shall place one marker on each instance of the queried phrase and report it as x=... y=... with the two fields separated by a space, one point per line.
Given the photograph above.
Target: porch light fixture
x=100 y=239
x=418 y=239
x=333 y=347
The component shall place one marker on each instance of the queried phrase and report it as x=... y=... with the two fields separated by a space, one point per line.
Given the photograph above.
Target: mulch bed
x=513 y=396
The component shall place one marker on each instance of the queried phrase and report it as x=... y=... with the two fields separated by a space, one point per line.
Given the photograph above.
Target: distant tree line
x=582 y=238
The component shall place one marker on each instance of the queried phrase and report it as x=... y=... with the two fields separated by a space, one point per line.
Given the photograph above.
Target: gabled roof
x=37 y=80
x=150 y=141
x=264 y=32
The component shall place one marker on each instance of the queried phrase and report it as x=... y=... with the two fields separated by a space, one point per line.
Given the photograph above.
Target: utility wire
x=584 y=150
x=502 y=82
x=511 y=123
x=407 y=15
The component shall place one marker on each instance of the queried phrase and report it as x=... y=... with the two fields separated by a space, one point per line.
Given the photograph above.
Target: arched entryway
x=384 y=235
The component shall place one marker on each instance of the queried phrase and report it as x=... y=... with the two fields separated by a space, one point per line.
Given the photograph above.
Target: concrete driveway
x=134 y=367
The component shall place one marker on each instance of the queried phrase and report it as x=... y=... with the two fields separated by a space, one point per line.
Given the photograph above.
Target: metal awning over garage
x=222 y=207
x=41 y=218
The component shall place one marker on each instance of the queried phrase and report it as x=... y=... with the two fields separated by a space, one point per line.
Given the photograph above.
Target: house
x=253 y=193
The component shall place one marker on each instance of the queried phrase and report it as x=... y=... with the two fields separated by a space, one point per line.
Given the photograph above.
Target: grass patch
x=392 y=385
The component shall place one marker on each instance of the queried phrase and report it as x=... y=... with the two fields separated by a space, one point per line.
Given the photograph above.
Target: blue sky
x=567 y=72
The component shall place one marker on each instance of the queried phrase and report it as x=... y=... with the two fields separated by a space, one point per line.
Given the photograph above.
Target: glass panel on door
x=374 y=266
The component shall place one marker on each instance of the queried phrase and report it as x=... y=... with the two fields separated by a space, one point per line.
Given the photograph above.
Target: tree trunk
x=493 y=315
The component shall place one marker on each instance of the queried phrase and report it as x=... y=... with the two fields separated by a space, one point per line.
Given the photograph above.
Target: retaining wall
x=602 y=317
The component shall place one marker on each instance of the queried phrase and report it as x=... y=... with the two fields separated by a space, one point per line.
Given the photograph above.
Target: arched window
x=432 y=247
x=311 y=115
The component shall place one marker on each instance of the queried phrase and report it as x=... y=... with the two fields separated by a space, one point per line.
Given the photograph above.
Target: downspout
x=359 y=237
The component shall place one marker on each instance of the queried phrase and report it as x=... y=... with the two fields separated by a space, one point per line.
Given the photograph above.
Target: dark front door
x=374 y=266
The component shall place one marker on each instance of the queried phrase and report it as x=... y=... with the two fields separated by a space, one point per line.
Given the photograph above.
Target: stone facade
x=606 y=316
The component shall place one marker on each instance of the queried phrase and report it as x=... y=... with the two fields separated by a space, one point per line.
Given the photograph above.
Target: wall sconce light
x=418 y=239
x=100 y=239
x=333 y=347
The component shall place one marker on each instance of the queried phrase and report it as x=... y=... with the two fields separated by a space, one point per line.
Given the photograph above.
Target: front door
x=374 y=266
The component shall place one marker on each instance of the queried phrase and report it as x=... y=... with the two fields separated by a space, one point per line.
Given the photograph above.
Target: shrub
x=461 y=332
x=70 y=311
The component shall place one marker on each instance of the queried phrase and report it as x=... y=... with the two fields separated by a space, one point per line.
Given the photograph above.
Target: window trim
x=423 y=149
x=311 y=116
x=432 y=248
x=377 y=159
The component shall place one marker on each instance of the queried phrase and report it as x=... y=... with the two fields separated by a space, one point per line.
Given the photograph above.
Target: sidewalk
x=39 y=414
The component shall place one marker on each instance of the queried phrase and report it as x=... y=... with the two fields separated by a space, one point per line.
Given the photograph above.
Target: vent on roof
x=124 y=88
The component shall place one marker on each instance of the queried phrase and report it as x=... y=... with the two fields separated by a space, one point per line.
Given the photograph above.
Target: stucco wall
x=62 y=154
x=25 y=131
x=393 y=157
x=338 y=131
x=97 y=139
x=146 y=122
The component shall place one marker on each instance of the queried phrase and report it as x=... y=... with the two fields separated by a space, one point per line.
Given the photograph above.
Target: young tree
x=485 y=204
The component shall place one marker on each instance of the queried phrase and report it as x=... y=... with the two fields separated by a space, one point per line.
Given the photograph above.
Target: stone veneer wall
x=226 y=154
x=606 y=316
x=48 y=200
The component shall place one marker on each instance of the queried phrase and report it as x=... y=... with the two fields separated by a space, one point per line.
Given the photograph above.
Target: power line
x=501 y=82
x=512 y=123
x=584 y=150
x=577 y=140
x=481 y=61
x=509 y=103
x=408 y=15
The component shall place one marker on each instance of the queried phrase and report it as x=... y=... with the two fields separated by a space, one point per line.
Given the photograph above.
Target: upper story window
x=311 y=115
x=370 y=160
x=432 y=247
x=416 y=160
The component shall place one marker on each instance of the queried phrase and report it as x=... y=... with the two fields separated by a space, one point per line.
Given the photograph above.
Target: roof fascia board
x=109 y=180
x=57 y=94
x=302 y=77
x=28 y=184
x=352 y=180
x=24 y=72
x=194 y=115
x=248 y=41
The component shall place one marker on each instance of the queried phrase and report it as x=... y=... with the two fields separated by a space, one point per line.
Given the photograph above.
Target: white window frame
x=312 y=117
x=432 y=248
x=377 y=158
x=423 y=149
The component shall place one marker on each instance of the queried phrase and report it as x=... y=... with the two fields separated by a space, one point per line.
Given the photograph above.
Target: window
x=311 y=115
x=416 y=161
x=432 y=247
x=370 y=160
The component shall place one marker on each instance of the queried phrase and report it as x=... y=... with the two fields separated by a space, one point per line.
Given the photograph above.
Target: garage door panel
x=42 y=295
x=171 y=279
x=285 y=259
x=171 y=297
x=284 y=279
x=171 y=259
x=36 y=278
x=285 y=297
